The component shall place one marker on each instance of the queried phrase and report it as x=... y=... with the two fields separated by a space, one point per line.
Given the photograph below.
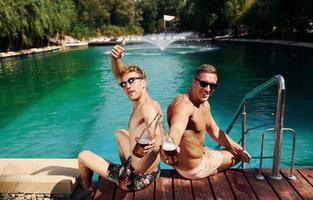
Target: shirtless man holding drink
x=135 y=173
x=189 y=117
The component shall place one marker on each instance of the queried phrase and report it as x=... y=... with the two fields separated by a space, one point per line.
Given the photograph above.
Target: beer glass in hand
x=146 y=136
x=142 y=142
x=170 y=149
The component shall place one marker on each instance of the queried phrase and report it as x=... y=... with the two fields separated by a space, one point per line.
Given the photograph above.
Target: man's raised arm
x=116 y=55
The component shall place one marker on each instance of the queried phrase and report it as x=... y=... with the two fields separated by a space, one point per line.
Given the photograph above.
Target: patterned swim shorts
x=128 y=179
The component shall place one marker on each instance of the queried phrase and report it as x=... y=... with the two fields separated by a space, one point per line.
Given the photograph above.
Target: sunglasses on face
x=129 y=81
x=205 y=84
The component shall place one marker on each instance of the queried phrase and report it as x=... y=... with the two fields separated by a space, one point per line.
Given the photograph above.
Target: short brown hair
x=207 y=68
x=133 y=68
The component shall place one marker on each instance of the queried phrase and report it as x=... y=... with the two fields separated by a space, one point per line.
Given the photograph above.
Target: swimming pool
x=58 y=104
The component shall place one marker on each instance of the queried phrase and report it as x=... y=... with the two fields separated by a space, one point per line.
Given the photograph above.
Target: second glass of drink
x=170 y=149
x=146 y=136
x=142 y=141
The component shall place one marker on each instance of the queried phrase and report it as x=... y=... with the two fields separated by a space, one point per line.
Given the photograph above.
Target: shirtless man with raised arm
x=189 y=117
x=134 y=173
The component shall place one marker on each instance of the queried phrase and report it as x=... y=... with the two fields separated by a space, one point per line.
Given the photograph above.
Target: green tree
x=123 y=13
x=235 y=9
x=148 y=11
x=92 y=13
x=124 y=18
x=204 y=16
x=28 y=23
x=169 y=7
x=291 y=18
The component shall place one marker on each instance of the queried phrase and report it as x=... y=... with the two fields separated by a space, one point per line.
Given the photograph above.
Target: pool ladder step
x=279 y=177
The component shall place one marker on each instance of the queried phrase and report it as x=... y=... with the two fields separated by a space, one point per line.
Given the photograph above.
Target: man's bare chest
x=198 y=120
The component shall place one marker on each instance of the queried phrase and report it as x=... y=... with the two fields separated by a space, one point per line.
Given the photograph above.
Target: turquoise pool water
x=58 y=104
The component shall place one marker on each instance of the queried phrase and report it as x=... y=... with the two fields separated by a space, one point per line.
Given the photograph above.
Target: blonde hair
x=133 y=68
x=207 y=68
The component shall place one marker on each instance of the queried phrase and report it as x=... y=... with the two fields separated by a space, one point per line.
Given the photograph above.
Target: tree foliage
x=92 y=13
x=29 y=23
x=235 y=9
x=148 y=12
x=290 y=18
x=109 y=17
x=123 y=13
x=203 y=16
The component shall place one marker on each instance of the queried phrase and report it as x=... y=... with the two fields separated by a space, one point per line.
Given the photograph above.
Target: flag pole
x=164 y=24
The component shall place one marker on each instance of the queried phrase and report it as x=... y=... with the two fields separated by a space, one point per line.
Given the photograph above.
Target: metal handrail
x=277 y=79
x=281 y=95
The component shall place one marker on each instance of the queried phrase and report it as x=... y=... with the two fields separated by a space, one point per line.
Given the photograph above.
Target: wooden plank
x=220 y=186
x=303 y=187
x=182 y=187
x=240 y=185
x=261 y=188
x=105 y=189
x=164 y=186
x=308 y=174
x=146 y=194
x=282 y=187
x=120 y=194
x=201 y=189
x=225 y=185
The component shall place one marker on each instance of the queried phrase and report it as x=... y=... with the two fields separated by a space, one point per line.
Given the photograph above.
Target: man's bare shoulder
x=181 y=102
x=151 y=106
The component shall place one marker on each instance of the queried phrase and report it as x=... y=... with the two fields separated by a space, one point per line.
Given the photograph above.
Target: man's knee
x=83 y=155
x=117 y=134
x=235 y=158
x=231 y=157
x=120 y=133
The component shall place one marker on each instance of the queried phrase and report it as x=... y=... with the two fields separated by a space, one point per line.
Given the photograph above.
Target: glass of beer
x=146 y=136
x=170 y=151
x=143 y=141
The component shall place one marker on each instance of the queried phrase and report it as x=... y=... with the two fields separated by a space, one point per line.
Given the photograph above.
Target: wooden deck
x=228 y=185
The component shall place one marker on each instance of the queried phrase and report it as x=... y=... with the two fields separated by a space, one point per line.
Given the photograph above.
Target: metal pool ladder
x=278 y=176
x=278 y=130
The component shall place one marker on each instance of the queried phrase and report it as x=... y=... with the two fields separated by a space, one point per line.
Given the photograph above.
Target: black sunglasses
x=204 y=84
x=130 y=81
